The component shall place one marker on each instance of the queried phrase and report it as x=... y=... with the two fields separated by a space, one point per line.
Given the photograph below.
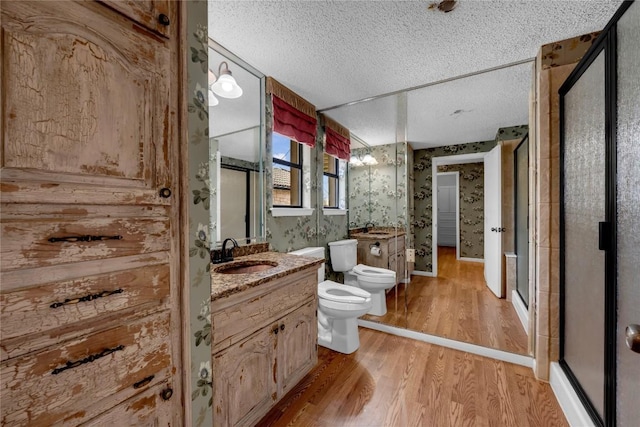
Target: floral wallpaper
x=567 y=51
x=358 y=192
x=471 y=207
x=202 y=201
x=378 y=193
x=422 y=195
x=513 y=132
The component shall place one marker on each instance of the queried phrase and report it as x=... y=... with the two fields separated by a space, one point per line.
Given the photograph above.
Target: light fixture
x=355 y=161
x=213 y=101
x=225 y=85
x=367 y=160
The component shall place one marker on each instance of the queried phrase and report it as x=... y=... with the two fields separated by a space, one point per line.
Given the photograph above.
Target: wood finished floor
x=457 y=305
x=394 y=381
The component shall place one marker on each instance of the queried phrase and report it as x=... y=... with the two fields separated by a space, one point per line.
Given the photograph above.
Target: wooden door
x=297 y=350
x=89 y=160
x=493 y=221
x=245 y=380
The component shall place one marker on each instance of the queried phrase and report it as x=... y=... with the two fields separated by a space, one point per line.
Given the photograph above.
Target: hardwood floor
x=457 y=305
x=396 y=381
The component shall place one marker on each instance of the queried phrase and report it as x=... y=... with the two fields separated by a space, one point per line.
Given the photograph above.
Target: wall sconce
x=213 y=101
x=367 y=160
x=225 y=85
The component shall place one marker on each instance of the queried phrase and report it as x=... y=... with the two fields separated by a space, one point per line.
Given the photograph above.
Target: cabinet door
x=86 y=106
x=78 y=379
x=297 y=350
x=89 y=135
x=153 y=14
x=245 y=380
x=147 y=409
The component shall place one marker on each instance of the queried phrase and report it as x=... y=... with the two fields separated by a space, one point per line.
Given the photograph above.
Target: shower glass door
x=583 y=199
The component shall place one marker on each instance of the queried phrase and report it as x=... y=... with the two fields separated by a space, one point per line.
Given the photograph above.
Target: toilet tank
x=313 y=252
x=344 y=254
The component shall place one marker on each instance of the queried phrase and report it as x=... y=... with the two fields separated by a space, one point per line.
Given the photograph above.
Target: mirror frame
x=261 y=234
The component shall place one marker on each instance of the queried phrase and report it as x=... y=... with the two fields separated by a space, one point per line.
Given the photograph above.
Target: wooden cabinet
x=392 y=254
x=266 y=343
x=245 y=379
x=297 y=351
x=89 y=267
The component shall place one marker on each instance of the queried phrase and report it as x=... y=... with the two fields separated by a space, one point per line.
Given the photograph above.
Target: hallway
x=395 y=381
x=456 y=305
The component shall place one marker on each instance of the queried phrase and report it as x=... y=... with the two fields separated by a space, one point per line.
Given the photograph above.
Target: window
x=287 y=172
x=331 y=182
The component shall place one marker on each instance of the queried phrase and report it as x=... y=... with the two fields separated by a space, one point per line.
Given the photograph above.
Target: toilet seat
x=342 y=298
x=336 y=292
x=373 y=272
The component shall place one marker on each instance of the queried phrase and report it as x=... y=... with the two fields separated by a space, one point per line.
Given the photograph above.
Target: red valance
x=293 y=123
x=337 y=139
x=336 y=144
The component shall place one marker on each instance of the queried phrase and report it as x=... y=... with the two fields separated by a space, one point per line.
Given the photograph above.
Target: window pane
x=282 y=147
x=330 y=164
x=294 y=149
x=330 y=193
x=286 y=186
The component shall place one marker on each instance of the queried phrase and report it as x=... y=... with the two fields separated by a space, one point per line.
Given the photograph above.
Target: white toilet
x=344 y=255
x=338 y=308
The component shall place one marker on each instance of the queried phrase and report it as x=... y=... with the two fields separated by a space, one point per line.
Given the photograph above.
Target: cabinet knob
x=282 y=327
x=165 y=193
x=166 y=393
x=275 y=330
x=164 y=20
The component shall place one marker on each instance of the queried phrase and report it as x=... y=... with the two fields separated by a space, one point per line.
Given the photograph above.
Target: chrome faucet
x=366 y=226
x=228 y=255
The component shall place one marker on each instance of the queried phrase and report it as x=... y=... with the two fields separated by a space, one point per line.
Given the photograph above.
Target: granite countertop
x=377 y=234
x=223 y=285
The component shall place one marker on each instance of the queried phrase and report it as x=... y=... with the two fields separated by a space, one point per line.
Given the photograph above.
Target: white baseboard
x=567 y=398
x=422 y=273
x=521 y=310
x=446 y=342
x=471 y=259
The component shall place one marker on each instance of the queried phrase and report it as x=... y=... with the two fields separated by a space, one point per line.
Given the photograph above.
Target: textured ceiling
x=334 y=52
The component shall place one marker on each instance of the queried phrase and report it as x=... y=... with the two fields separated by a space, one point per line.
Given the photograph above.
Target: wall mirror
x=449 y=128
x=236 y=138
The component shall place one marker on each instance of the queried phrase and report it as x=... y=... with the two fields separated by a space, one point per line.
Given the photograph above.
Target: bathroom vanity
x=264 y=332
x=392 y=250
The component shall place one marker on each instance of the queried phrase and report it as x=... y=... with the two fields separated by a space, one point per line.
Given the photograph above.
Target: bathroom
x=121 y=259
x=378 y=194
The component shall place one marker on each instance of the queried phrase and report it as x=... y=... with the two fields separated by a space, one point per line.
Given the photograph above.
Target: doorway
x=448 y=219
x=239 y=209
x=476 y=196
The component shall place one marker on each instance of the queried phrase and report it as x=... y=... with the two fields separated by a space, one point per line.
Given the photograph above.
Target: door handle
x=603 y=236
x=633 y=337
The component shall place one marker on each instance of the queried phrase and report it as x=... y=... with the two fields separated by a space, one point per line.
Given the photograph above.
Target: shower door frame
x=606 y=41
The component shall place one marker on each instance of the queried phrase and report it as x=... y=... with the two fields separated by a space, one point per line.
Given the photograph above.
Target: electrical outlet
x=411 y=255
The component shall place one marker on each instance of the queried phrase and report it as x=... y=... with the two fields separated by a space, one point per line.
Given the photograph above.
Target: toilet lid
x=365 y=270
x=333 y=291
